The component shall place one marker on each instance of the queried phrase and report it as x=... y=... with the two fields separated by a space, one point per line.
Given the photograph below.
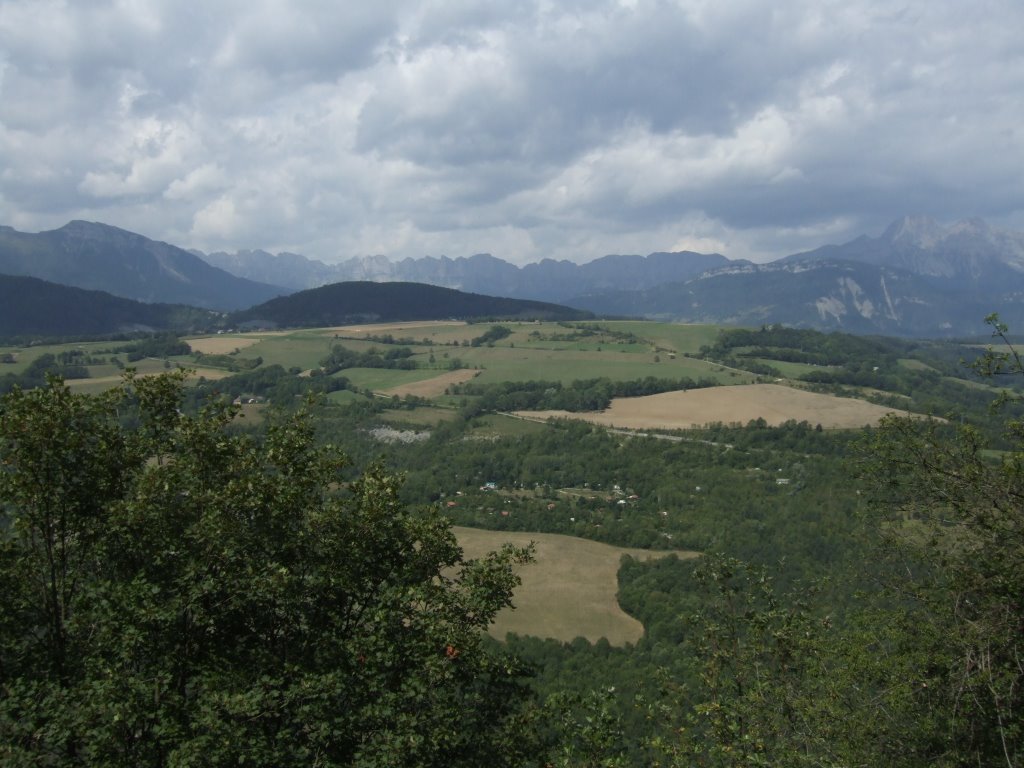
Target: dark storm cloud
x=527 y=129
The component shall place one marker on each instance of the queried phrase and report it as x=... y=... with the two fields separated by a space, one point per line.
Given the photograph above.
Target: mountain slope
x=100 y=257
x=289 y=270
x=30 y=306
x=826 y=294
x=917 y=279
x=368 y=302
x=970 y=252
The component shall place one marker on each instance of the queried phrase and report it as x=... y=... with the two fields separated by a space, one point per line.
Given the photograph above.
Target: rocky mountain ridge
x=917 y=278
x=545 y=280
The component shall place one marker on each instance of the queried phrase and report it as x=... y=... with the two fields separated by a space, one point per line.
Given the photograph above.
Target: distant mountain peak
x=82 y=227
x=920 y=231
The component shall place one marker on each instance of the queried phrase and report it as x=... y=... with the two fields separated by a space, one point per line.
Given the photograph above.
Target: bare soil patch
x=568 y=592
x=736 y=404
x=434 y=387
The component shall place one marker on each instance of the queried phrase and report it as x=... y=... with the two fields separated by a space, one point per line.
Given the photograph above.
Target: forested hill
x=362 y=302
x=31 y=306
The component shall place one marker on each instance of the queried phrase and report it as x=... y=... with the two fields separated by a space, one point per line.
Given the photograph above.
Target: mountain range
x=48 y=281
x=545 y=280
x=918 y=278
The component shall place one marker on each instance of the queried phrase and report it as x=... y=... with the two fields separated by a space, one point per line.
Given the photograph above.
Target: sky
x=527 y=129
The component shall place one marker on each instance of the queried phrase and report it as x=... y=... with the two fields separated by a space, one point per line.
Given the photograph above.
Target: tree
x=763 y=692
x=175 y=594
x=926 y=670
x=953 y=520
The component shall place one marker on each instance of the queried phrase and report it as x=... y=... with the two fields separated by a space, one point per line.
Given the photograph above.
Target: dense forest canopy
x=177 y=595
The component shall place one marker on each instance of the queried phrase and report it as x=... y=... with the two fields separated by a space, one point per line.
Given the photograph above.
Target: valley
x=635 y=457
x=460 y=384
x=602 y=384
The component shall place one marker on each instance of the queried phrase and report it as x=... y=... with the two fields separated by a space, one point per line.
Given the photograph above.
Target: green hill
x=29 y=305
x=366 y=302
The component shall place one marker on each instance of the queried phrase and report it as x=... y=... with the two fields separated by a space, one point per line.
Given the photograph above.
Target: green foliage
x=175 y=594
x=161 y=345
x=588 y=731
x=936 y=381
x=282 y=388
x=65 y=365
x=493 y=334
x=924 y=670
x=580 y=395
x=954 y=531
x=342 y=358
x=757 y=650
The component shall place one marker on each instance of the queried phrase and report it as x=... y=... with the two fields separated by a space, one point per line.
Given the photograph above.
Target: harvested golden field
x=569 y=592
x=222 y=345
x=434 y=387
x=736 y=404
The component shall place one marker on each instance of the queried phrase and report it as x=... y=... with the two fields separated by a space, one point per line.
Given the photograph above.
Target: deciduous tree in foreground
x=175 y=594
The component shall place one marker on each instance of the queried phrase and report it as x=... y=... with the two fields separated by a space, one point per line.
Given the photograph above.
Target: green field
x=385 y=378
x=791 y=370
x=570 y=589
x=345 y=396
x=498 y=425
x=24 y=355
x=420 y=417
x=618 y=350
x=531 y=352
x=678 y=337
x=301 y=349
x=914 y=365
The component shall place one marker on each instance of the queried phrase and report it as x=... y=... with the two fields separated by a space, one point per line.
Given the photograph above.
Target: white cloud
x=206 y=178
x=534 y=129
x=217 y=221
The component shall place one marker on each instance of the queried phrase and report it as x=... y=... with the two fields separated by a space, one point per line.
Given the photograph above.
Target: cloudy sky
x=526 y=128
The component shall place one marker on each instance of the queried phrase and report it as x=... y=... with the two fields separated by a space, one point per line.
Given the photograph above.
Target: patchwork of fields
x=570 y=590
